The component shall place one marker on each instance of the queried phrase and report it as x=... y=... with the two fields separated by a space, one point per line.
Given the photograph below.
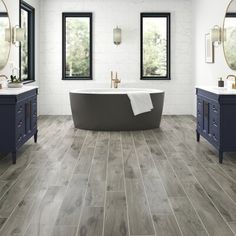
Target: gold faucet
x=115 y=82
x=2 y=76
x=234 y=84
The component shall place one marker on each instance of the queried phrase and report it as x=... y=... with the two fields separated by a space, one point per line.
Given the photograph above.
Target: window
x=77 y=46
x=27 y=48
x=155 y=46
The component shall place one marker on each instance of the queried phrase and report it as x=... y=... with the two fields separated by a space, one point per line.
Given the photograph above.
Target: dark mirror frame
x=167 y=15
x=77 y=14
x=31 y=41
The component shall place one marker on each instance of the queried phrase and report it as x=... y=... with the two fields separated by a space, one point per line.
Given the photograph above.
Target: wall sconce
x=8 y=35
x=117 y=36
x=216 y=35
x=18 y=35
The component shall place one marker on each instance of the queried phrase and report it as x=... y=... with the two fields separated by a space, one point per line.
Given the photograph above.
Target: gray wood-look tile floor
x=85 y=183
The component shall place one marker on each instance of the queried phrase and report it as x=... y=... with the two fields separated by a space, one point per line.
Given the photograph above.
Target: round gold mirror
x=5 y=35
x=229 y=35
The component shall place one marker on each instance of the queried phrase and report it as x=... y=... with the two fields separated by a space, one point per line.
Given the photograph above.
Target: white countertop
x=16 y=91
x=217 y=90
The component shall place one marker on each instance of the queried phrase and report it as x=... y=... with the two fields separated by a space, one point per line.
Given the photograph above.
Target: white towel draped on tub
x=140 y=102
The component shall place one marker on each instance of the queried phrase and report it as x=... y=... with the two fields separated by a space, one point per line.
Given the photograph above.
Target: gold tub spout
x=115 y=82
x=234 y=84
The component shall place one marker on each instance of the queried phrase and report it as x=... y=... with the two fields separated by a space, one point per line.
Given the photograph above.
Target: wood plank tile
x=64 y=230
x=49 y=207
x=187 y=218
x=154 y=147
x=71 y=207
x=209 y=215
x=115 y=178
x=91 y=223
x=169 y=179
x=116 y=215
x=39 y=230
x=233 y=226
x=157 y=196
x=25 y=210
x=95 y=195
x=146 y=163
x=224 y=204
x=86 y=155
x=166 y=225
x=140 y=220
x=131 y=166
x=17 y=192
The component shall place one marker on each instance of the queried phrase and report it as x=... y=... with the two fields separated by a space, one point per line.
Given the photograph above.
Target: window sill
x=28 y=81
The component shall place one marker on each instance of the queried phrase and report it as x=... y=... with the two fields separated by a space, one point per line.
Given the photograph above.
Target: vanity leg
x=198 y=136
x=36 y=136
x=13 y=157
x=220 y=157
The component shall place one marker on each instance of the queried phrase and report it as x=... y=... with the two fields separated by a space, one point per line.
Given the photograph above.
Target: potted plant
x=15 y=82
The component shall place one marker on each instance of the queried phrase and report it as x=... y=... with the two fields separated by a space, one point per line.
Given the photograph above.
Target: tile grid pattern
x=155 y=182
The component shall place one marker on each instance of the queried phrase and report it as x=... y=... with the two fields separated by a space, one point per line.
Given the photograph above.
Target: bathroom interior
x=117 y=117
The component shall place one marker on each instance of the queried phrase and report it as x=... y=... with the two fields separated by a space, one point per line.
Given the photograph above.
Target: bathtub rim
x=121 y=91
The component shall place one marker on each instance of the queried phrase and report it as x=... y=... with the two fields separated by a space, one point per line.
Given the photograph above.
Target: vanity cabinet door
x=199 y=113
x=205 y=127
x=215 y=123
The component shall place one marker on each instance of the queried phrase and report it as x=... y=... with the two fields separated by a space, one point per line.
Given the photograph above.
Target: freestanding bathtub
x=110 y=110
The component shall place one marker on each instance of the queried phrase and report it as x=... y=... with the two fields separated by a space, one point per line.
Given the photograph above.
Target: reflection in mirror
x=230 y=35
x=5 y=35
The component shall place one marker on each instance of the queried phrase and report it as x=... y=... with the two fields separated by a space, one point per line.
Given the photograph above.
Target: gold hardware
x=234 y=84
x=115 y=82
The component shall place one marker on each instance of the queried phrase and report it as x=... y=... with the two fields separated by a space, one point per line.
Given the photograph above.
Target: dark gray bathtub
x=110 y=110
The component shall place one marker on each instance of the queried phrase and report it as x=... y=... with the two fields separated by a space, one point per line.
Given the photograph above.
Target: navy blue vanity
x=216 y=118
x=18 y=118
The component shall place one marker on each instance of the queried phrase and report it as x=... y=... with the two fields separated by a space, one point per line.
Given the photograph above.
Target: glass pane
x=155 y=46
x=24 y=46
x=4 y=41
x=230 y=40
x=77 y=47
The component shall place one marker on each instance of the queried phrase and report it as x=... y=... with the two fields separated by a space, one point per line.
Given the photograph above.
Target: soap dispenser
x=220 y=82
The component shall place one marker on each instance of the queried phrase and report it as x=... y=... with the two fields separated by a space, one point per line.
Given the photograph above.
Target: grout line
x=125 y=187
x=86 y=191
x=148 y=206
x=105 y=199
x=171 y=207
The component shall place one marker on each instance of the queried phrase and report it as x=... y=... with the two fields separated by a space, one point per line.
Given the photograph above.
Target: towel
x=140 y=102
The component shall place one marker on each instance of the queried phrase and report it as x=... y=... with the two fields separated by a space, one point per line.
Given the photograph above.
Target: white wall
x=13 y=7
x=207 y=14
x=54 y=93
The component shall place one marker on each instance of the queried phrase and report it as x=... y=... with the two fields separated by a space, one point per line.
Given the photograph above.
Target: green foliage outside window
x=154 y=48
x=77 y=47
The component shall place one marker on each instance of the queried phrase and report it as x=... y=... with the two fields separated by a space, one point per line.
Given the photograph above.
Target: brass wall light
x=216 y=35
x=117 y=36
x=18 y=35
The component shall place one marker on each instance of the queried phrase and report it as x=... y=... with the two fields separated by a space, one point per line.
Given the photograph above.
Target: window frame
x=31 y=41
x=77 y=14
x=167 y=15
